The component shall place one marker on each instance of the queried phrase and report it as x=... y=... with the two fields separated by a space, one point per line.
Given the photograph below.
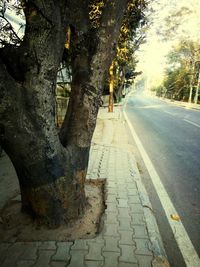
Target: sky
x=152 y=54
x=16 y=22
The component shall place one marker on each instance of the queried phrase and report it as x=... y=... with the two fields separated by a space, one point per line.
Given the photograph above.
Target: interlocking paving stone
x=80 y=245
x=125 y=264
x=111 y=218
x=111 y=230
x=62 y=252
x=123 y=178
x=145 y=261
x=111 y=199
x=112 y=207
x=94 y=251
x=93 y=263
x=111 y=184
x=140 y=231
x=122 y=194
x=77 y=258
x=103 y=175
x=111 y=259
x=134 y=199
x=30 y=251
x=114 y=214
x=131 y=185
x=137 y=219
x=44 y=258
x=136 y=208
x=98 y=239
x=125 y=223
x=58 y=264
x=124 y=213
x=112 y=178
x=121 y=187
x=111 y=190
x=131 y=180
x=142 y=247
x=48 y=245
x=25 y=263
x=127 y=254
x=126 y=238
x=111 y=244
x=131 y=192
x=122 y=203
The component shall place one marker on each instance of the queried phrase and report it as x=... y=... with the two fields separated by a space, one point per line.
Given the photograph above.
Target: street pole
x=190 y=96
x=191 y=81
x=111 y=86
x=197 y=89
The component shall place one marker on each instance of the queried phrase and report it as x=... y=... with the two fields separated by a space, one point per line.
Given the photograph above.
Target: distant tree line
x=182 y=76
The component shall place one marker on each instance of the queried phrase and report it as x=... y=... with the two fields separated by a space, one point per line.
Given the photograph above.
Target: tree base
x=21 y=226
x=56 y=203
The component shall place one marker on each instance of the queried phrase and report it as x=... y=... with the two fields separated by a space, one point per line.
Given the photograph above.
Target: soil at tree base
x=19 y=226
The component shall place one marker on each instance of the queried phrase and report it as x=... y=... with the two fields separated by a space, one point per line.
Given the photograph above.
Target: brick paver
x=62 y=252
x=111 y=244
x=44 y=258
x=77 y=258
x=95 y=251
x=128 y=254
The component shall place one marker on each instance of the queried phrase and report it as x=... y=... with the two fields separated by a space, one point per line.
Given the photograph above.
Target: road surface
x=171 y=138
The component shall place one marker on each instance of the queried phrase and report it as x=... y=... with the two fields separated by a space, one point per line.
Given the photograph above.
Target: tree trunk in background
x=51 y=168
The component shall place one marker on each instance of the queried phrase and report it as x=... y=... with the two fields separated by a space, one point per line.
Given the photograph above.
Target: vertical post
x=111 y=86
x=197 y=89
x=190 y=96
x=191 y=81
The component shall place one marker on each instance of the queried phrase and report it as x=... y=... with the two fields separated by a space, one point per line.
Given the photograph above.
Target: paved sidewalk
x=129 y=238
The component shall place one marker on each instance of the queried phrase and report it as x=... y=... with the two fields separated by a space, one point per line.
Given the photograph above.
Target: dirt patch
x=15 y=225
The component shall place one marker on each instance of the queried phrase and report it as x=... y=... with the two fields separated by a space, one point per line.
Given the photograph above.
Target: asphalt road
x=171 y=138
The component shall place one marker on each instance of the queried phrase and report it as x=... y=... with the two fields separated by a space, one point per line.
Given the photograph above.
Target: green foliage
x=159 y=90
x=183 y=70
x=129 y=41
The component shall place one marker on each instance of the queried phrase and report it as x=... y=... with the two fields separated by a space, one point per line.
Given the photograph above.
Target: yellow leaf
x=175 y=217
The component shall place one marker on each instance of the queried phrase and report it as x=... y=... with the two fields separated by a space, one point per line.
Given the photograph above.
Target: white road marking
x=185 y=245
x=169 y=113
x=193 y=123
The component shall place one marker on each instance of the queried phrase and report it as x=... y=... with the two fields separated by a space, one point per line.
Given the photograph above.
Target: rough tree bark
x=52 y=167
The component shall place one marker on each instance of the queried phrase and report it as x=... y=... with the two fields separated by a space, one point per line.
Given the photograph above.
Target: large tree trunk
x=49 y=176
x=52 y=168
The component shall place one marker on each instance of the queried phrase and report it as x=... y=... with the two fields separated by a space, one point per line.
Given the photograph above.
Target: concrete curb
x=152 y=227
x=181 y=104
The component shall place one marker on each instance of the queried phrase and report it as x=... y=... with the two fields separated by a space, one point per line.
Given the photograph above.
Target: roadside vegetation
x=182 y=76
x=180 y=31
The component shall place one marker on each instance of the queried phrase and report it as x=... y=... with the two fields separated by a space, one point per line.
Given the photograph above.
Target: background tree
x=51 y=166
x=131 y=37
x=182 y=73
x=180 y=20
